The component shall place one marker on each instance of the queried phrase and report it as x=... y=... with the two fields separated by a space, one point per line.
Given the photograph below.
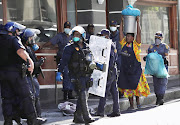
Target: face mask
x=35 y=47
x=76 y=39
x=157 y=41
x=113 y=28
x=103 y=36
x=67 y=30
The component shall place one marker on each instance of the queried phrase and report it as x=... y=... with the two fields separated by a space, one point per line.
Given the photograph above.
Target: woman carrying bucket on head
x=132 y=81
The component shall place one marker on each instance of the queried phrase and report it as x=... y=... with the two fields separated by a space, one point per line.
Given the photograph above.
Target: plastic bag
x=155 y=66
x=130 y=11
x=67 y=108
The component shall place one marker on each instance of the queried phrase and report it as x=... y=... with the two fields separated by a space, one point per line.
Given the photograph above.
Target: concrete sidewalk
x=52 y=113
x=173 y=92
x=55 y=117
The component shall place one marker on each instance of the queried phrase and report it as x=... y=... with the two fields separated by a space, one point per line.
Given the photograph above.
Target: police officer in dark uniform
x=62 y=39
x=27 y=38
x=13 y=84
x=115 y=38
x=111 y=85
x=160 y=84
x=74 y=56
x=90 y=31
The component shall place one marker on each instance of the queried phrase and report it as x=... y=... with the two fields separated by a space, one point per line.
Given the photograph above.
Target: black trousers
x=13 y=86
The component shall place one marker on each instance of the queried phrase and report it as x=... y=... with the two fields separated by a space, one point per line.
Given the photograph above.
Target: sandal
x=139 y=106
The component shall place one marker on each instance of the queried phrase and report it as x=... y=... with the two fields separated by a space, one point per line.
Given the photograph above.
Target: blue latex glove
x=100 y=66
x=35 y=47
x=59 y=76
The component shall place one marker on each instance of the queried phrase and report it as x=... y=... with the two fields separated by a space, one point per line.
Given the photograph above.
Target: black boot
x=31 y=120
x=159 y=99
x=86 y=115
x=8 y=121
x=18 y=120
x=114 y=114
x=78 y=118
x=70 y=96
x=65 y=95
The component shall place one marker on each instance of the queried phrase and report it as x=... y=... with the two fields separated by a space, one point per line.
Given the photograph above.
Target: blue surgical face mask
x=67 y=30
x=157 y=41
x=76 y=39
x=35 y=47
x=113 y=28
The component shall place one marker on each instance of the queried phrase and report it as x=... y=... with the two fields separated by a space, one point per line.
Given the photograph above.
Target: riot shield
x=100 y=48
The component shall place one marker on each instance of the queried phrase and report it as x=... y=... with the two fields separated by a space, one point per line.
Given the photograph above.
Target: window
x=153 y=19
x=71 y=12
x=39 y=14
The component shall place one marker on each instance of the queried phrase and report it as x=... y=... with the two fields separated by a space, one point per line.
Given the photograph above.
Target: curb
x=47 y=94
x=170 y=94
x=173 y=93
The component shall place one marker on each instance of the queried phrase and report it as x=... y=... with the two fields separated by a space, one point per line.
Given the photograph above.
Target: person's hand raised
x=137 y=18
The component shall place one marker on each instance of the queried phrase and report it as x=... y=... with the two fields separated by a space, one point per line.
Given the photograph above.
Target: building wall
x=1 y=10
x=89 y=11
x=115 y=8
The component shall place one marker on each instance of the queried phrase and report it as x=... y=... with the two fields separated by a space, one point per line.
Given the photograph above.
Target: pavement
x=146 y=115
x=55 y=116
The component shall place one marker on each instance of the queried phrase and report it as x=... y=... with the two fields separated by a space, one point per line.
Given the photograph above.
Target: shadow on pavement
x=147 y=107
x=83 y=123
